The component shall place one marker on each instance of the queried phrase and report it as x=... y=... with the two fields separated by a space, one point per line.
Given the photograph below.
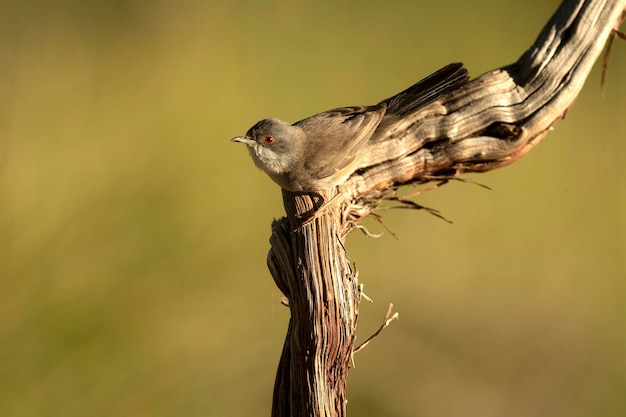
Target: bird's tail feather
x=431 y=88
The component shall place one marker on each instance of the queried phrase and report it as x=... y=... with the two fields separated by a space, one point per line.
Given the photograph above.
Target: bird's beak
x=242 y=139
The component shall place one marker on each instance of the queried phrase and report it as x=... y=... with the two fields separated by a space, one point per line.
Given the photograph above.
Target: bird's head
x=274 y=145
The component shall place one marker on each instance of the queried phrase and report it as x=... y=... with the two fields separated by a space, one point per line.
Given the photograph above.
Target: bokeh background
x=133 y=234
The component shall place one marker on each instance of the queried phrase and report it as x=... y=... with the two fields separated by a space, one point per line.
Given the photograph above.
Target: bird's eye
x=268 y=139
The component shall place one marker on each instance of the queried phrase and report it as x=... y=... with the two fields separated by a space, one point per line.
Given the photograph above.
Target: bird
x=323 y=150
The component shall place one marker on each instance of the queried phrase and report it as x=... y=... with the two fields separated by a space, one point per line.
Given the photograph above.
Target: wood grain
x=492 y=121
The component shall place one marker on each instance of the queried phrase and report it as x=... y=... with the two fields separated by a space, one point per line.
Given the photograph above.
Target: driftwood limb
x=310 y=267
x=492 y=121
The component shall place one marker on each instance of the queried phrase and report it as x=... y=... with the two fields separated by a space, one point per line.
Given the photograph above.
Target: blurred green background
x=133 y=234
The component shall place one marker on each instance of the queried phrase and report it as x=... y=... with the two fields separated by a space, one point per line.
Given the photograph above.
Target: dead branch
x=492 y=121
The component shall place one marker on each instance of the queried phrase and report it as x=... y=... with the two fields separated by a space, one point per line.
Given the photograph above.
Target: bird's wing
x=339 y=134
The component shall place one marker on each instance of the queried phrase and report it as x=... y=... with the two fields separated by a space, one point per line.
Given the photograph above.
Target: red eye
x=268 y=139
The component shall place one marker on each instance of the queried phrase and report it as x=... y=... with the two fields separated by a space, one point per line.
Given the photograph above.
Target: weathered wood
x=491 y=122
x=311 y=268
x=499 y=116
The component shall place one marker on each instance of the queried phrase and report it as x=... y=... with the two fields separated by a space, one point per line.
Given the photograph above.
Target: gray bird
x=323 y=150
